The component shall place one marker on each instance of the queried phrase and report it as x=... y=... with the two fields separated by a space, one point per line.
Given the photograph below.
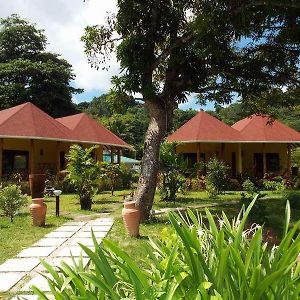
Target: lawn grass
x=21 y=234
x=228 y=202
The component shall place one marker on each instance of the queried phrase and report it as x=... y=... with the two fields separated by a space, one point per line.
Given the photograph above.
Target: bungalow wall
x=35 y=156
x=252 y=156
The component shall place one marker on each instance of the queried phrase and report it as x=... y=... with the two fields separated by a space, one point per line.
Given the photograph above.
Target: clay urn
x=131 y=217
x=37 y=185
x=38 y=211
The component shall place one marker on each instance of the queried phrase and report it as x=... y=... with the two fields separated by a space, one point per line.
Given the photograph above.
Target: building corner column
x=198 y=152
x=112 y=154
x=58 y=157
x=31 y=170
x=240 y=159
x=119 y=155
x=289 y=162
x=264 y=160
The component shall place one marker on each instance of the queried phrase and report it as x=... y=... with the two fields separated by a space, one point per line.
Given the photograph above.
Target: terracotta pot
x=38 y=211
x=131 y=216
x=37 y=185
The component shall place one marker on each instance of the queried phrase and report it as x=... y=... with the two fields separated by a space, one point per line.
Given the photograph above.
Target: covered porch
x=256 y=159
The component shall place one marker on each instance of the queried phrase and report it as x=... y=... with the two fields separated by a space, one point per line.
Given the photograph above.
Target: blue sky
x=64 y=22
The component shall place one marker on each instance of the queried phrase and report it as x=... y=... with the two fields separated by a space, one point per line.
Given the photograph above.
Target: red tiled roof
x=27 y=120
x=89 y=130
x=205 y=128
x=262 y=129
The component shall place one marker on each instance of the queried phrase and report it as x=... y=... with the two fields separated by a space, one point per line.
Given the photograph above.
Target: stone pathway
x=18 y=274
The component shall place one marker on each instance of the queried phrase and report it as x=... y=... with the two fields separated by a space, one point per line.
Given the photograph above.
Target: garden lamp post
x=57 y=193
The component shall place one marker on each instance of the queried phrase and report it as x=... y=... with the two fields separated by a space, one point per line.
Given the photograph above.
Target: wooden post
x=223 y=151
x=289 y=164
x=119 y=155
x=264 y=160
x=240 y=159
x=58 y=157
x=112 y=155
x=198 y=152
x=1 y=158
x=31 y=170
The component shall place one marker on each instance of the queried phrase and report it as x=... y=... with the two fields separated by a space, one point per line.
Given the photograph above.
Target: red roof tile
x=205 y=128
x=89 y=130
x=260 y=129
x=27 y=120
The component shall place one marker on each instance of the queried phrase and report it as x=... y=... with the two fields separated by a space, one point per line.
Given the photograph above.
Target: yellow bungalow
x=33 y=142
x=253 y=145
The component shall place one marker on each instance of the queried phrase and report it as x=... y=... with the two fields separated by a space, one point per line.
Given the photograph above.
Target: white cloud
x=64 y=22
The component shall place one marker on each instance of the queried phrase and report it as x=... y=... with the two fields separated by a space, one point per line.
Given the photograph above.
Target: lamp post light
x=57 y=193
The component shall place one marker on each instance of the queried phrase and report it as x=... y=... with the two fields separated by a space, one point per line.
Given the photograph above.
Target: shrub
x=216 y=177
x=111 y=173
x=191 y=261
x=172 y=168
x=273 y=183
x=293 y=196
x=83 y=174
x=195 y=184
x=11 y=200
x=249 y=189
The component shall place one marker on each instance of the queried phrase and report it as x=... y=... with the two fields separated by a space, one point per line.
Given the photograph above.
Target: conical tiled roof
x=27 y=120
x=205 y=128
x=262 y=129
x=89 y=130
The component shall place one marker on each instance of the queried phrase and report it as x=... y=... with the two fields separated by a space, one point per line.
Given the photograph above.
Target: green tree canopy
x=219 y=50
x=29 y=73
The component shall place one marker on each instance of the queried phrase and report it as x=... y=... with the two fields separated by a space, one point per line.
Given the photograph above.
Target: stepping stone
x=68 y=228
x=39 y=281
x=19 y=265
x=36 y=252
x=88 y=234
x=56 y=262
x=96 y=228
x=8 y=280
x=72 y=251
x=46 y=242
x=74 y=224
x=101 y=222
x=85 y=241
x=59 y=234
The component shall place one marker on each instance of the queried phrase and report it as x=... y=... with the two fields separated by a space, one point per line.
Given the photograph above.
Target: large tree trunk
x=156 y=131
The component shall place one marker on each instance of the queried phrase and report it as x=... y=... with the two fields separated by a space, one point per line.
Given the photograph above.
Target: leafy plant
x=216 y=177
x=111 y=172
x=172 y=167
x=11 y=200
x=273 y=183
x=83 y=174
x=293 y=196
x=193 y=260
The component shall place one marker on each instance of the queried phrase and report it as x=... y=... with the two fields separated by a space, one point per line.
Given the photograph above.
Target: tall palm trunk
x=156 y=131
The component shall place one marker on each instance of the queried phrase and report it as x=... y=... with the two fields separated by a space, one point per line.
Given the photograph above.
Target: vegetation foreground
x=193 y=260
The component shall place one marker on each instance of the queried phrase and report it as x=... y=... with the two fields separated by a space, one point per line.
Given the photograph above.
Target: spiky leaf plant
x=193 y=260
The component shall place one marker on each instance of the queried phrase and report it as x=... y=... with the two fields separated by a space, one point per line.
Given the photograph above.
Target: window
x=62 y=160
x=15 y=161
x=191 y=158
x=272 y=162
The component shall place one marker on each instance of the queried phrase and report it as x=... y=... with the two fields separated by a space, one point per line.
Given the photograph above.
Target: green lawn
x=21 y=234
x=274 y=208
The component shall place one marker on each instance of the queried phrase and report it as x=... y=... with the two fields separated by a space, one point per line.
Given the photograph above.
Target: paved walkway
x=18 y=274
